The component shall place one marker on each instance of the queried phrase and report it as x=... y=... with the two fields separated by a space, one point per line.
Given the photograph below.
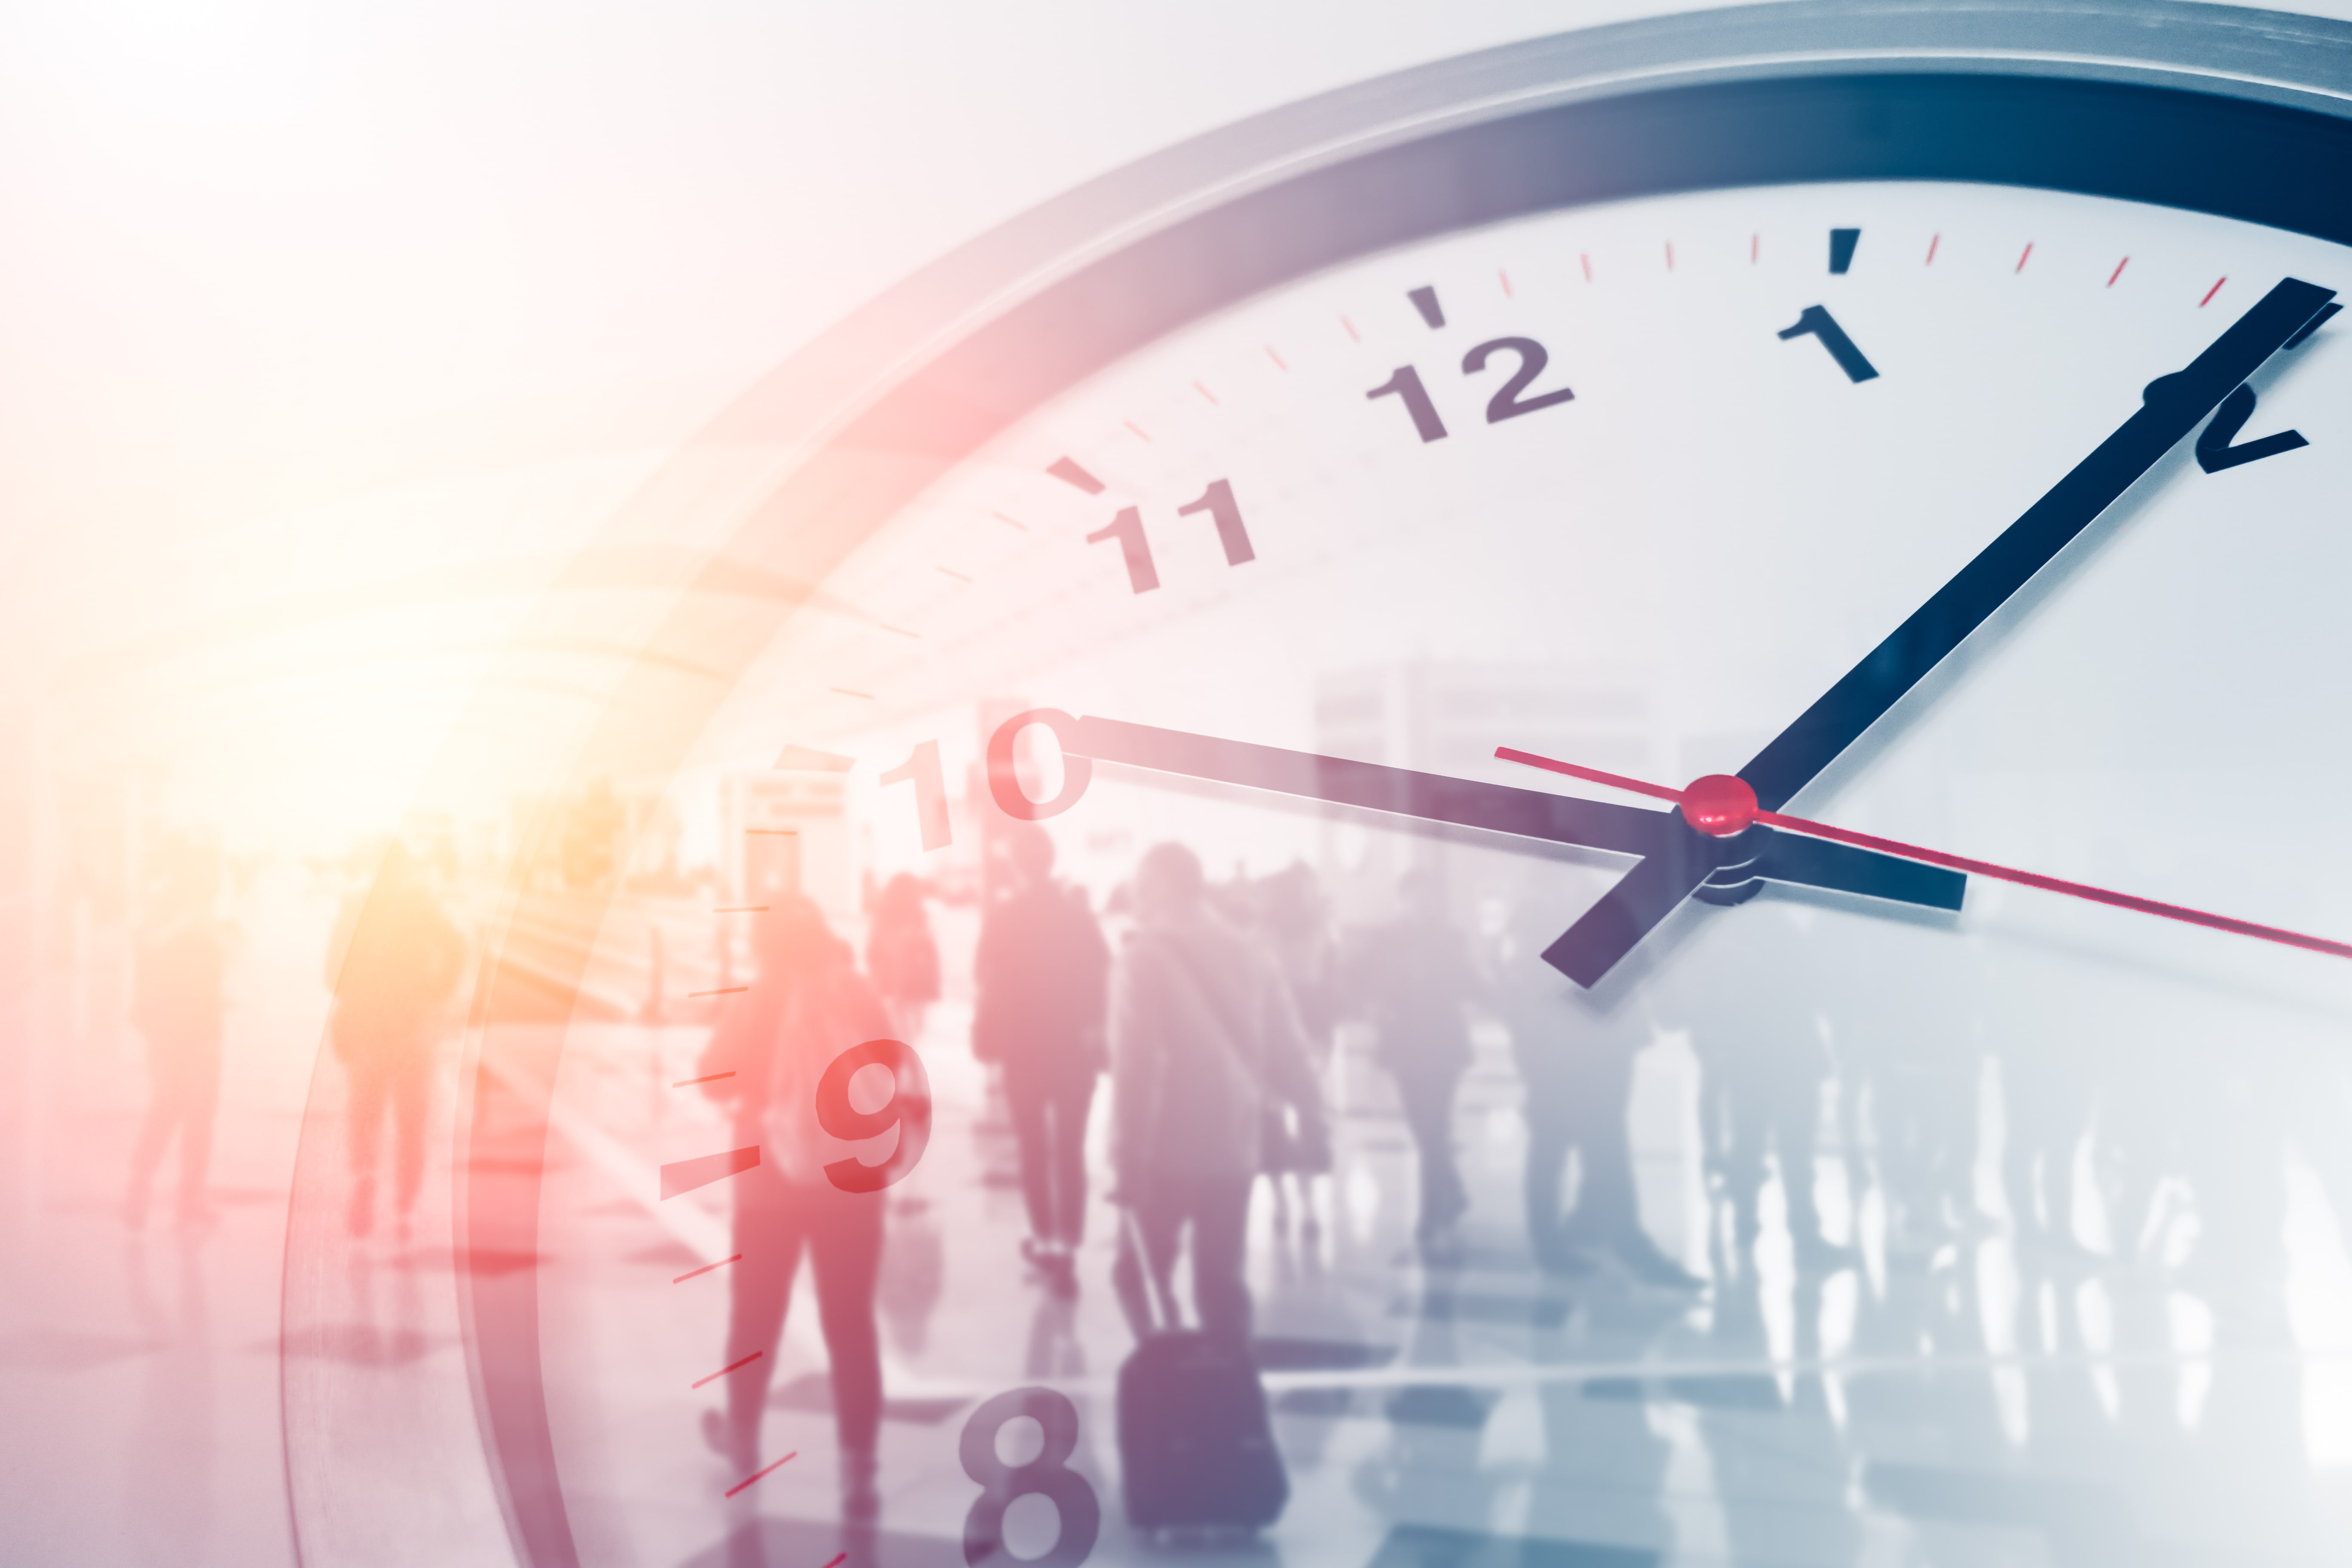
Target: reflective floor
x=1975 y=1402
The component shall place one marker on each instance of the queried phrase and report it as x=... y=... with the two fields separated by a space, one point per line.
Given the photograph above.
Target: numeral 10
x=1127 y=528
x=922 y=770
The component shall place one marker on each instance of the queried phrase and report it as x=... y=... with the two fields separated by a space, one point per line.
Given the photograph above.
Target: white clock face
x=1658 y=574
x=1817 y=1202
x=1653 y=577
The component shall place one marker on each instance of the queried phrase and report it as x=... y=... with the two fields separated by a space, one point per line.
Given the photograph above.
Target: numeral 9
x=908 y=1109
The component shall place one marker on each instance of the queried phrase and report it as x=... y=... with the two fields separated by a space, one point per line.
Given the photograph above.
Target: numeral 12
x=1507 y=404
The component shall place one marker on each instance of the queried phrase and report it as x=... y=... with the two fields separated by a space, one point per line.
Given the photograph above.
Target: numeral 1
x=1816 y=322
x=1218 y=502
x=930 y=792
x=1128 y=529
x=1406 y=384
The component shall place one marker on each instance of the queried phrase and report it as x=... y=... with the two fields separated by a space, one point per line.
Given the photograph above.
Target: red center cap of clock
x=1720 y=804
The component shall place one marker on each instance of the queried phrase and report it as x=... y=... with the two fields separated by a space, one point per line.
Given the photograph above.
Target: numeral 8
x=1048 y=1475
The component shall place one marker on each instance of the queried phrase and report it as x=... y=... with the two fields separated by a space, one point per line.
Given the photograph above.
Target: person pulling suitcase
x=1203 y=1042
x=1196 y=1445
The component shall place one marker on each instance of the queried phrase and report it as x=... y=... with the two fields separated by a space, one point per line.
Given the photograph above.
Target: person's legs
x=166 y=1110
x=1796 y=1133
x=1606 y=1211
x=1072 y=1103
x=411 y=1089
x=1428 y=1104
x=1548 y=1145
x=768 y=1231
x=1027 y=1100
x=1746 y=1127
x=846 y=1251
x=364 y=1127
x=200 y=1103
x=1220 y=1298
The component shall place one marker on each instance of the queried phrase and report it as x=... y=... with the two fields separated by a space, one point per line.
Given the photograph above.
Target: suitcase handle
x=1164 y=1316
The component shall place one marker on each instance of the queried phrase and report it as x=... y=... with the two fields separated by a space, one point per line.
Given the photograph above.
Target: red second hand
x=1722 y=805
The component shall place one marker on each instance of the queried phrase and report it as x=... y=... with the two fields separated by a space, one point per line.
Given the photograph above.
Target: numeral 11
x=1135 y=550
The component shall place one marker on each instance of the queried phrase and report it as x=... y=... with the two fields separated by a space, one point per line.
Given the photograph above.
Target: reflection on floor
x=1969 y=1405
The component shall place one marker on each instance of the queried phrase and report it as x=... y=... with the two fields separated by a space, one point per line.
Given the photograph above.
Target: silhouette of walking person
x=901 y=957
x=1041 y=975
x=1752 y=1006
x=1576 y=1061
x=807 y=1005
x=1294 y=923
x=394 y=964
x=176 y=1002
x=1417 y=978
x=1204 y=1040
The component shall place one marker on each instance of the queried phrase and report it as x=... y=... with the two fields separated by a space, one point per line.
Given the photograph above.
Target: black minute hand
x=1659 y=837
x=2171 y=406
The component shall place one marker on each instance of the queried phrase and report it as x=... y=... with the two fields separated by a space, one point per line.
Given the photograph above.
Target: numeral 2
x=2214 y=452
x=1507 y=404
x=1135 y=550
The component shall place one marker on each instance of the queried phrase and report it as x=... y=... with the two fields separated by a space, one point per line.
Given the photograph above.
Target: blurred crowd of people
x=1215 y=1010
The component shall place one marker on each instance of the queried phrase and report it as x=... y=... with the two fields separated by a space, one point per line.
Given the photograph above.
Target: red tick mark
x=900 y=630
x=838 y=1562
x=844 y=691
x=2213 y=291
x=1134 y=426
x=706 y=1268
x=763 y=1475
x=706 y=1077
x=2022 y=259
x=1353 y=335
x=1755 y=245
x=722 y=991
x=1588 y=264
x=1933 y=240
x=2118 y=271
x=1275 y=357
x=1506 y=283
x=1014 y=522
x=1670 y=255
x=1206 y=392
x=731 y=1366
x=946 y=573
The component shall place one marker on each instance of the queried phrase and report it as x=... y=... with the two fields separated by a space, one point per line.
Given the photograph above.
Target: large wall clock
x=1918 y=424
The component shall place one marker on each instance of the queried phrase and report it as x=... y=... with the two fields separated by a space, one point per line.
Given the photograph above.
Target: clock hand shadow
x=1988 y=640
x=1863 y=905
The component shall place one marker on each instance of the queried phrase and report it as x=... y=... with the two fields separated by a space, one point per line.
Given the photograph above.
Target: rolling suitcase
x=1195 y=1443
